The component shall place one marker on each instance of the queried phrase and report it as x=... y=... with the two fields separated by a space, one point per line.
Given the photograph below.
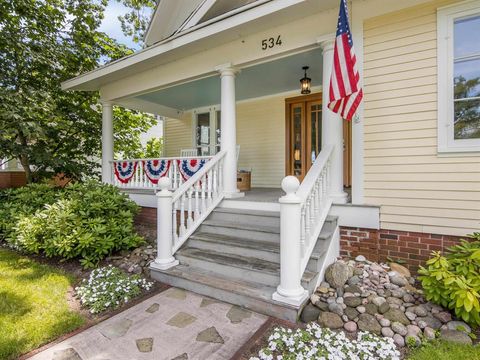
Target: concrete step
x=260 y=232
x=238 y=267
x=240 y=216
x=254 y=296
x=264 y=250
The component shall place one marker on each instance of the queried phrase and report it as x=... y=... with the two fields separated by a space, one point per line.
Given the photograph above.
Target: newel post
x=165 y=259
x=290 y=290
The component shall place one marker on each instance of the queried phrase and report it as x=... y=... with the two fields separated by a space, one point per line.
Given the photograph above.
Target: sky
x=111 y=24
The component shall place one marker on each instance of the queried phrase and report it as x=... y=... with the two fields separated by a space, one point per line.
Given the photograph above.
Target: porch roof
x=198 y=38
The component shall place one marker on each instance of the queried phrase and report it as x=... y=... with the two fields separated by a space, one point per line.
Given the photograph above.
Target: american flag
x=345 y=91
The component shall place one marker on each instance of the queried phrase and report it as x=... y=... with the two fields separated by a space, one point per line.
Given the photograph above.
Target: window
x=206 y=137
x=459 y=78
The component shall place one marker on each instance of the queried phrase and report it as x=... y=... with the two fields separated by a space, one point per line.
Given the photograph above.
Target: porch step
x=234 y=256
x=254 y=296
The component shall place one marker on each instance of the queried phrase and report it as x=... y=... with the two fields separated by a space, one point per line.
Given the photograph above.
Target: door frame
x=288 y=132
x=347 y=137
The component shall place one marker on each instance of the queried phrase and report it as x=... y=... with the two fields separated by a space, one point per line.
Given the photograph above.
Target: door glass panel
x=315 y=130
x=203 y=133
x=297 y=141
x=218 y=131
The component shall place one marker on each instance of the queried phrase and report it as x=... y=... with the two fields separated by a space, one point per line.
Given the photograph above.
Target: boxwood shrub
x=87 y=220
x=453 y=279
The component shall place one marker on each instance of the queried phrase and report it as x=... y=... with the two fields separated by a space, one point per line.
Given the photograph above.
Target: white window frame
x=213 y=123
x=446 y=17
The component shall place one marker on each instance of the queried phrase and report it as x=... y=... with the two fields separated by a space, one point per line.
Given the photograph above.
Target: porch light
x=305 y=82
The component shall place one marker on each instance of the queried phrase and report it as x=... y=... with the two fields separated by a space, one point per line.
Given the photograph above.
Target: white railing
x=181 y=212
x=142 y=179
x=303 y=211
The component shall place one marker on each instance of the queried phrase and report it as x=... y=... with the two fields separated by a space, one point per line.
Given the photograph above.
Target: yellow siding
x=260 y=134
x=178 y=134
x=417 y=189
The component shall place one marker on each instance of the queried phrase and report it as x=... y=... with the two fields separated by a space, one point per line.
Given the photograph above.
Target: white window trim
x=213 y=124
x=445 y=21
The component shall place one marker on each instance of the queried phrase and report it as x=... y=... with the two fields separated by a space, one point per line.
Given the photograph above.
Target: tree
x=42 y=43
x=467 y=112
x=135 y=22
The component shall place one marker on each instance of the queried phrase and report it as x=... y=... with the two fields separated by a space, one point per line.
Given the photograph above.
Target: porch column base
x=234 y=195
x=339 y=198
x=163 y=264
x=295 y=300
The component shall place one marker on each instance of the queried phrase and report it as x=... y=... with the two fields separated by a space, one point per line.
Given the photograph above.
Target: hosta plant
x=316 y=342
x=453 y=279
x=108 y=288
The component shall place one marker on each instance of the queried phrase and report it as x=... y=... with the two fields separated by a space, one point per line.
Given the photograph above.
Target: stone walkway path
x=174 y=324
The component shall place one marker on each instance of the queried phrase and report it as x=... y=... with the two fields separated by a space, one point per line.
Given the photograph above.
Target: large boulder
x=367 y=322
x=330 y=320
x=455 y=336
x=400 y=269
x=337 y=274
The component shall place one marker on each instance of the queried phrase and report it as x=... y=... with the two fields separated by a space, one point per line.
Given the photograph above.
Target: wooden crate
x=244 y=182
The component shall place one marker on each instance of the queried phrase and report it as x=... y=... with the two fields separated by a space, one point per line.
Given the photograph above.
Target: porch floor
x=261 y=195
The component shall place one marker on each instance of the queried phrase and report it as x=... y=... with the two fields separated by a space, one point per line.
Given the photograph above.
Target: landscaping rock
x=310 y=313
x=360 y=258
x=399 y=340
x=399 y=328
x=323 y=306
x=400 y=269
x=397 y=315
x=330 y=320
x=350 y=326
x=429 y=321
x=387 y=332
x=398 y=280
x=337 y=274
x=443 y=316
x=382 y=309
x=384 y=322
x=367 y=322
x=459 y=326
x=371 y=309
x=336 y=308
x=351 y=313
x=353 y=301
x=455 y=336
x=429 y=333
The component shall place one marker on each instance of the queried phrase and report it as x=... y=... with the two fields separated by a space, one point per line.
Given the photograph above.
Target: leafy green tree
x=42 y=43
x=135 y=22
x=467 y=112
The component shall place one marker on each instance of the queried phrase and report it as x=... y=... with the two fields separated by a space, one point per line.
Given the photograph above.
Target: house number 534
x=271 y=42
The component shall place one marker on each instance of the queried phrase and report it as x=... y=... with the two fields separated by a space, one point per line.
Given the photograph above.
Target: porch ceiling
x=268 y=78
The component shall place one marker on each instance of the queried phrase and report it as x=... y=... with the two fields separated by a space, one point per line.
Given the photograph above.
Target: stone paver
x=173 y=325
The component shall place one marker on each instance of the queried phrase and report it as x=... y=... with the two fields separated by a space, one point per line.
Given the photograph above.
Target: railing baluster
x=303 y=233
x=204 y=190
x=197 y=200
x=174 y=221
x=182 y=215
x=190 y=209
x=209 y=187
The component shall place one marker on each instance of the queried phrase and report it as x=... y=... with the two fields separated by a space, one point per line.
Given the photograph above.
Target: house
x=11 y=174
x=400 y=180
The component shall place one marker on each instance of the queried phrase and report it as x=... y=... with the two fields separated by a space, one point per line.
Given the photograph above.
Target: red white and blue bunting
x=189 y=167
x=156 y=169
x=124 y=170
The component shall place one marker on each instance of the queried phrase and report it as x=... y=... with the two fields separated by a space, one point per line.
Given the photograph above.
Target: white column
x=332 y=128
x=164 y=259
x=107 y=142
x=228 y=136
x=290 y=290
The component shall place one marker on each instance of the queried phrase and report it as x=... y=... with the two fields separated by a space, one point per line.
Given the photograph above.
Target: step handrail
x=303 y=211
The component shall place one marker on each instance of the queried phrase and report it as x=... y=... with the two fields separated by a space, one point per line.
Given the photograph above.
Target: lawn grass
x=440 y=350
x=33 y=304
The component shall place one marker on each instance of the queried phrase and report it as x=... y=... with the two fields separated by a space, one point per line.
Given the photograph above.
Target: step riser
x=241 y=233
x=260 y=277
x=245 y=219
x=253 y=304
x=234 y=250
x=231 y=272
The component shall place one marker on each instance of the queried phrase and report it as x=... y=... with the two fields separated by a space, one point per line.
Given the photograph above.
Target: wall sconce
x=296 y=155
x=305 y=82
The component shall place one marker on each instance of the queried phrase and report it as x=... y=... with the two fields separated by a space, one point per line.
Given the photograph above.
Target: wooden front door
x=304 y=136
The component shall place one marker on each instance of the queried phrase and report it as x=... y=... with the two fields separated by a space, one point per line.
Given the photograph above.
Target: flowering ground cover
x=109 y=288
x=316 y=342
x=33 y=304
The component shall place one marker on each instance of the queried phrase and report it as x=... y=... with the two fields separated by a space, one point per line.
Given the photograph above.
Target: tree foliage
x=467 y=112
x=43 y=43
x=135 y=22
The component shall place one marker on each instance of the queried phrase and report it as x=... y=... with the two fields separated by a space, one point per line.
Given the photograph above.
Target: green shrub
x=453 y=280
x=109 y=288
x=83 y=220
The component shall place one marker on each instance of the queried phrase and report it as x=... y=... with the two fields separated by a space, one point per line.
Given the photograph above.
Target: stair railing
x=303 y=211
x=181 y=212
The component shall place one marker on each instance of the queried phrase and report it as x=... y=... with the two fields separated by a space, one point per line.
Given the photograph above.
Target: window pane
x=467 y=79
x=466 y=33
x=203 y=129
x=467 y=119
